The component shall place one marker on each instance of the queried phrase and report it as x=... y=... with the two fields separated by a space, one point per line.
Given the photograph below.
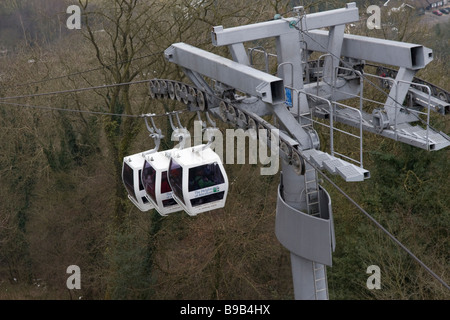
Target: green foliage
x=402 y=195
x=440 y=41
x=75 y=144
x=409 y=178
x=129 y=277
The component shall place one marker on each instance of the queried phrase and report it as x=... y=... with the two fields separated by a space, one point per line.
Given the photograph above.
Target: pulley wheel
x=442 y=96
x=201 y=101
x=151 y=86
x=251 y=125
x=163 y=89
x=242 y=117
x=170 y=90
x=184 y=96
x=158 y=89
x=177 y=91
x=232 y=113
x=193 y=93
x=298 y=164
x=223 y=111
x=284 y=147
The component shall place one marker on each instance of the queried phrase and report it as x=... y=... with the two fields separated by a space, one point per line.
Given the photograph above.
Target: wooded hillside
x=62 y=200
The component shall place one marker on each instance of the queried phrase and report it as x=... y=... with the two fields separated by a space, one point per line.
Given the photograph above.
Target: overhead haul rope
x=81 y=72
x=74 y=90
x=146 y=115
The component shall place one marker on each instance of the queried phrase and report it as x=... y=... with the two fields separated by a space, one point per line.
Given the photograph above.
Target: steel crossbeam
x=275 y=28
x=244 y=78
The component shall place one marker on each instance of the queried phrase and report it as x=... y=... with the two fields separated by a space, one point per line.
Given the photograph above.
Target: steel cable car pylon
x=304 y=221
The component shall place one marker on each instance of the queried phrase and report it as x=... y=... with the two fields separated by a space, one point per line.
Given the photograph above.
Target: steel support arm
x=244 y=78
x=394 y=53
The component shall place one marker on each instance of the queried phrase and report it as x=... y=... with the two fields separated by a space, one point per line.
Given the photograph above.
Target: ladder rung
x=321 y=279
x=321 y=290
x=321 y=268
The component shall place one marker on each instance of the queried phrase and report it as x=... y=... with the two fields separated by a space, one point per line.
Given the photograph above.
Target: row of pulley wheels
x=163 y=89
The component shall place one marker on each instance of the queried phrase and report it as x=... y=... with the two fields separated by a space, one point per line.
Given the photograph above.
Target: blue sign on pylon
x=288 y=93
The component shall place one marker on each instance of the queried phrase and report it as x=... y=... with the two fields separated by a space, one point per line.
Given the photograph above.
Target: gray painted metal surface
x=423 y=99
x=305 y=235
x=394 y=53
x=414 y=135
x=348 y=171
x=275 y=28
x=246 y=79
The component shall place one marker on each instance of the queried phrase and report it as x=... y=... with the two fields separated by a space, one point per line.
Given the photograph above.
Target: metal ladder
x=311 y=185
x=320 y=280
x=312 y=192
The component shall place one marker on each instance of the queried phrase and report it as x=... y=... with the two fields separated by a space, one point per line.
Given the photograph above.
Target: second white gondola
x=156 y=185
x=198 y=179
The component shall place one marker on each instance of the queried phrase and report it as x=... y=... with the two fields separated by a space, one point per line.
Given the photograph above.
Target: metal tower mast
x=299 y=91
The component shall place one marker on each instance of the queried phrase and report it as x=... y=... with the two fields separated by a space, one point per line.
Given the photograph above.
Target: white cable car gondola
x=198 y=179
x=156 y=184
x=132 y=171
x=154 y=173
x=131 y=177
